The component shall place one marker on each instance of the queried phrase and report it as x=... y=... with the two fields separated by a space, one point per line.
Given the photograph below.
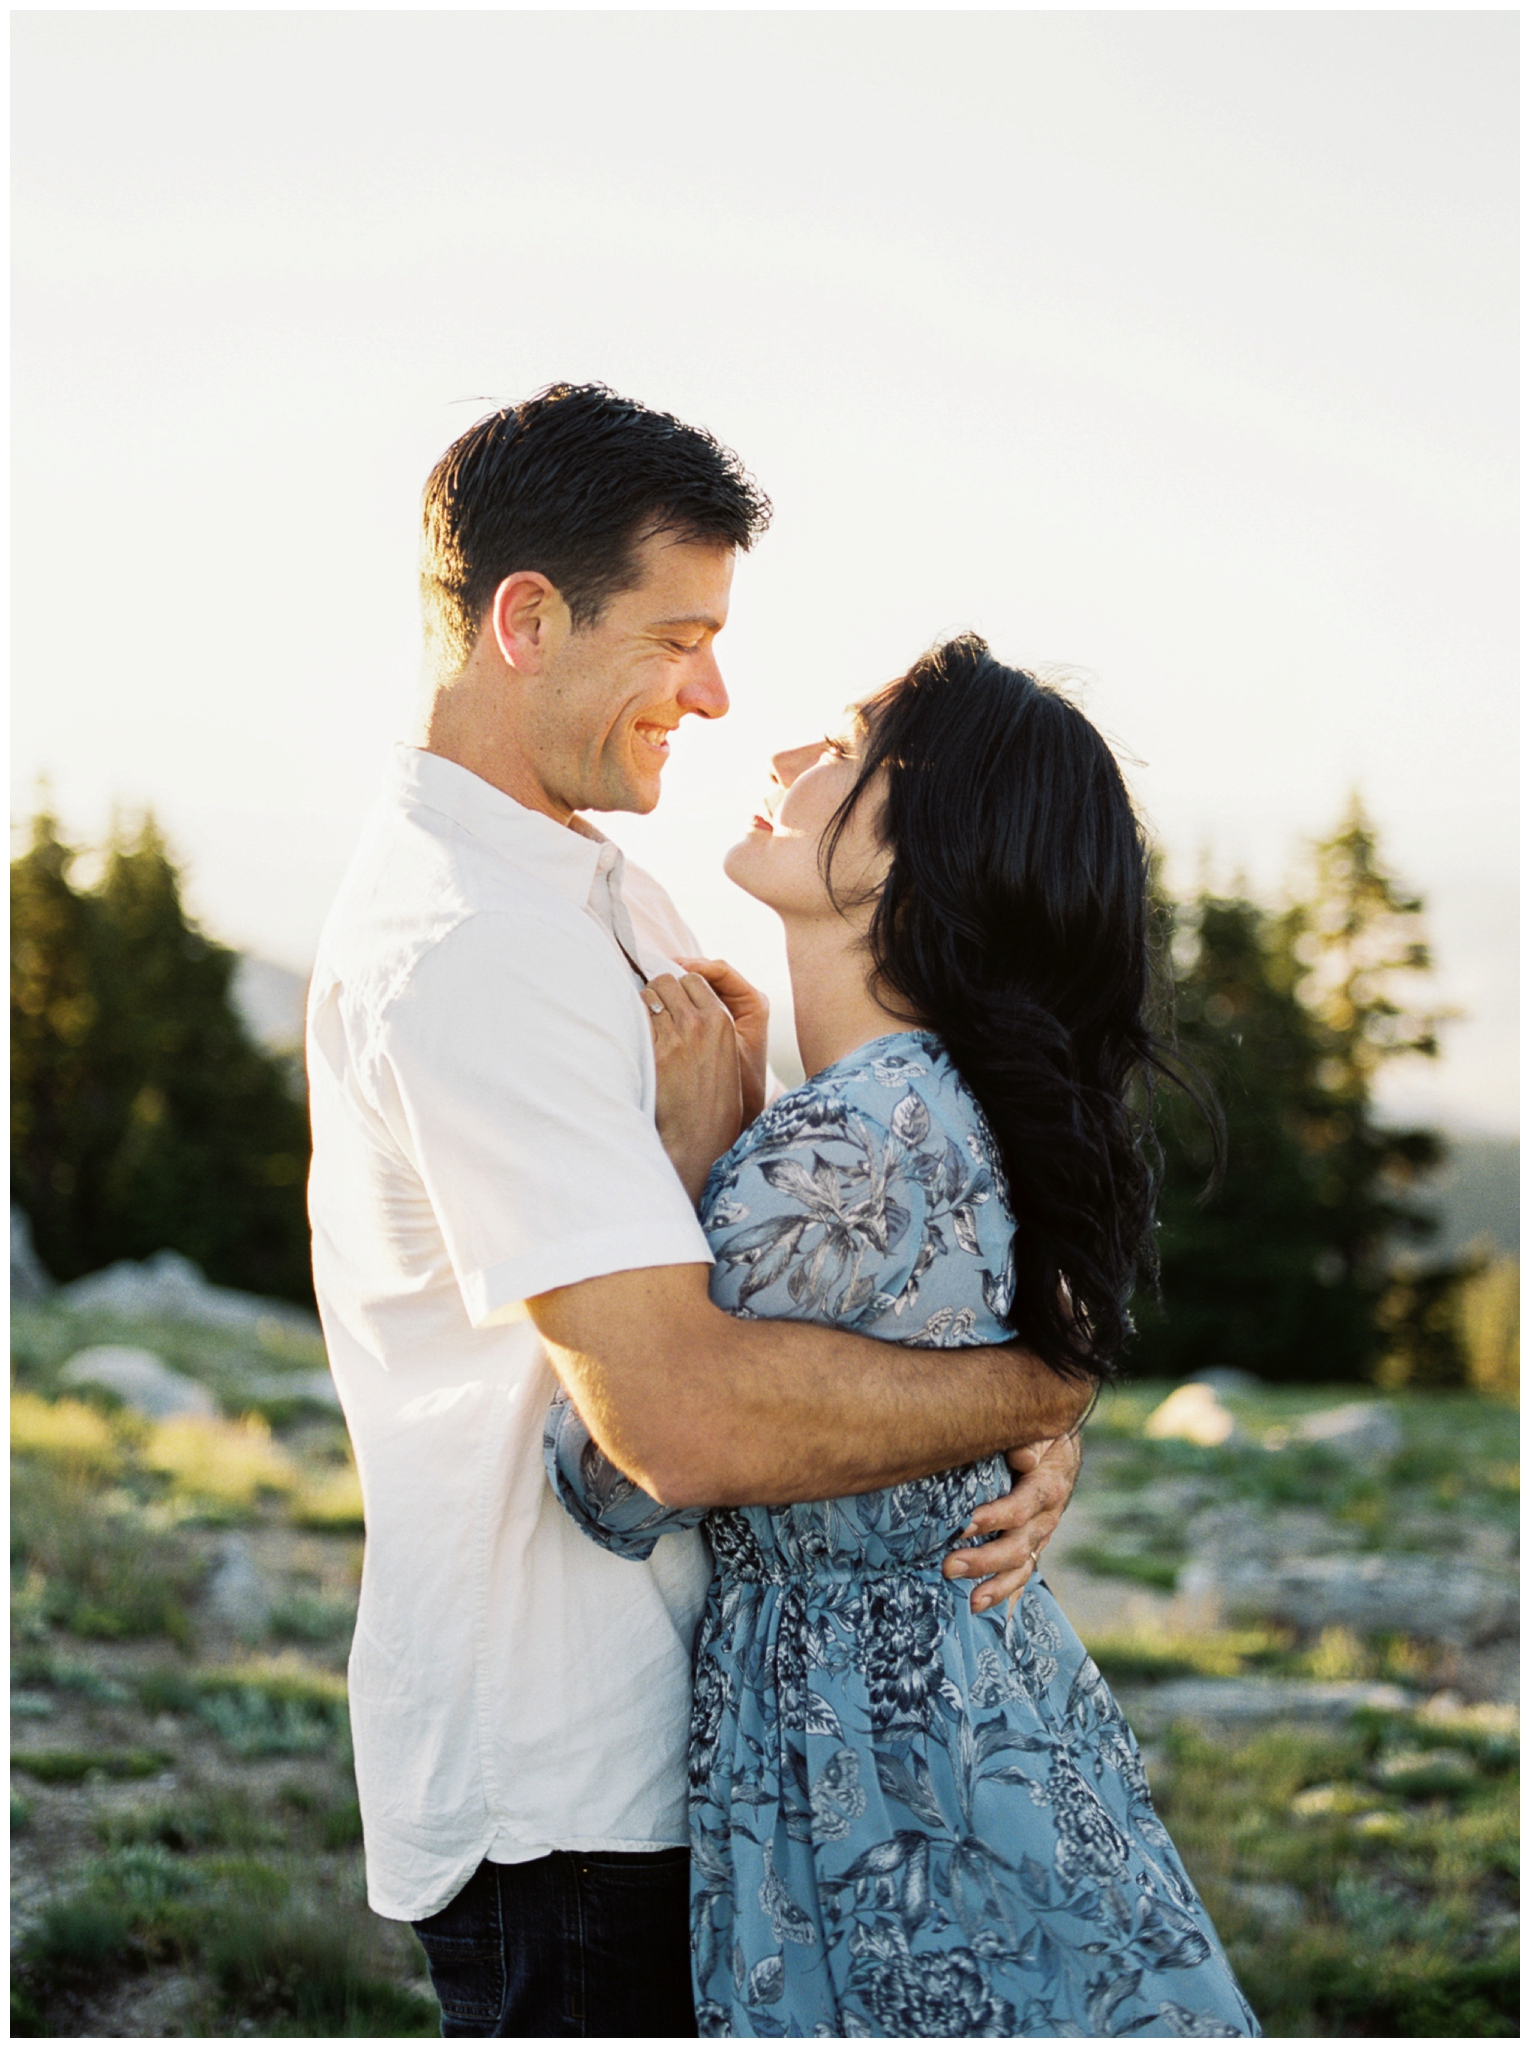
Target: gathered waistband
x=774 y=1572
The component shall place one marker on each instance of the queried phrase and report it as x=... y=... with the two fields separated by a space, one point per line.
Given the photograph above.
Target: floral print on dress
x=907 y=1819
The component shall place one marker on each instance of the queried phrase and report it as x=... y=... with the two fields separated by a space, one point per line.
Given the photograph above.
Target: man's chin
x=637 y=797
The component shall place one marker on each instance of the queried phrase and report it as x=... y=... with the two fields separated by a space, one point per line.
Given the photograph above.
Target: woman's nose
x=787 y=766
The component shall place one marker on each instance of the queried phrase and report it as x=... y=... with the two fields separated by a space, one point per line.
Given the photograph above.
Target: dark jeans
x=566 y=1944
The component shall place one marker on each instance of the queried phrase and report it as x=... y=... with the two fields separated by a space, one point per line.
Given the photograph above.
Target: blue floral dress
x=906 y=1818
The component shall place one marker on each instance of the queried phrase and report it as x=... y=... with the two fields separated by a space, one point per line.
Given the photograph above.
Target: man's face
x=612 y=694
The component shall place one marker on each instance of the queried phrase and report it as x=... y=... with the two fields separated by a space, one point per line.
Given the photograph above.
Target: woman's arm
x=610 y=1509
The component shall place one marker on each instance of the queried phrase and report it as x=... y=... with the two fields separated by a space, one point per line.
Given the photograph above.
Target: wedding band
x=1036 y=1559
x=657 y=1008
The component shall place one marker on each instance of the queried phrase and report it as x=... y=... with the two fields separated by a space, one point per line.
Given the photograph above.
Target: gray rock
x=172 y=1287
x=1440 y=1599
x=1277 y=1905
x=1192 y=1412
x=238 y=1593
x=1360 y=1429
x=1239 y=1702
x=1235 y=1532
x=1227 y=1379
x=30 y=1279
x=139 y=1379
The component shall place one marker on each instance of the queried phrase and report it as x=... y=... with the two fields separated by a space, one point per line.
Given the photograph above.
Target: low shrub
x=332 y=1503
x=197 y=1818
x=1141 y=1567
x=258 y=1709
x=65 y=1675
x=283 y=1960
x=67 y=1433
x=1145 y=1655
x=213 y=1462
x=95 y=1566
x=314 y=1969
x=1406 y=1889
x=73 y=1766
x=304 y=1618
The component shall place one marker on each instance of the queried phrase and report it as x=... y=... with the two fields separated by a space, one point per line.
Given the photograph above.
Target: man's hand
x=1027 y=1515
x=749 y=1008
x=699 y=1110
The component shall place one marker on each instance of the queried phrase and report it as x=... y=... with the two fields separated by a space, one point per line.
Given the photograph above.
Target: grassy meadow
x=186 y=1851
x=186 y=1842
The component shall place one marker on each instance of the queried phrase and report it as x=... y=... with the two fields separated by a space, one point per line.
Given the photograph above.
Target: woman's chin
x=742 y=865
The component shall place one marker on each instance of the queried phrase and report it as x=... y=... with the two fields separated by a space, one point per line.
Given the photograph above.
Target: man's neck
x=459 y=724
x=833 y=1008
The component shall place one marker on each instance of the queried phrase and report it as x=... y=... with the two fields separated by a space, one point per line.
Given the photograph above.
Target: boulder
x=1438 y=1598
x=1277 y=1906
x=173 y=1288
x=1360 y=1429
x=1228 y=1379
x=139 y=1379
x=30 y=1279
x=1239 y=1702
x=1193 y=1413
x=238 y=1593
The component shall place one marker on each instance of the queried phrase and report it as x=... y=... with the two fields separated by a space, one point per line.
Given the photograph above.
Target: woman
x=908 y=1817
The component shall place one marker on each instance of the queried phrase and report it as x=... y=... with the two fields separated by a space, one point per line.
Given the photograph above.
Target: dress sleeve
x=821 y=1224
x=610 y=1509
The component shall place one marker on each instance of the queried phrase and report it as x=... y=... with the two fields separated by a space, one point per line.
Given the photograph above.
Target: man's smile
x=654 y=736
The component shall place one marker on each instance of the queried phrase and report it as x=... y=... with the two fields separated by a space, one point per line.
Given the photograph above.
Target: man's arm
x=706 y=1409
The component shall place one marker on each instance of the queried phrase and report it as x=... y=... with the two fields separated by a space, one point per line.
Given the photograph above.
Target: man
x=490 y=1192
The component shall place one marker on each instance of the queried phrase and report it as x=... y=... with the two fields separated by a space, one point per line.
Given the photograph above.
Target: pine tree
x=144 y=1115
x=1285 y=1267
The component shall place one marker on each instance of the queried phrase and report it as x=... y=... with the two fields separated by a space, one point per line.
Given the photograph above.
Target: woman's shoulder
x=872 y=1187
x=891 y=1078
x=868 y=1083
x=903 y=1087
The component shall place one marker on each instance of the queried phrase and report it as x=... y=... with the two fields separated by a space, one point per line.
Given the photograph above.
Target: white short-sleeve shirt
x=482 y=1090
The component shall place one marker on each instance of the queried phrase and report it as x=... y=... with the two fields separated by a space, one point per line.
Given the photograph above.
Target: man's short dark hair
x=569 y=484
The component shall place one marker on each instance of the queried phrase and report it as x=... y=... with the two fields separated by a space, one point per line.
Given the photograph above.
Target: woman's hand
x=749 y=1008
x=1021 y=1522
x=700 y=1108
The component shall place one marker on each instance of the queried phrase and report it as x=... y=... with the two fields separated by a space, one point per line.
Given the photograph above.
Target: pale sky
x=1175 y=351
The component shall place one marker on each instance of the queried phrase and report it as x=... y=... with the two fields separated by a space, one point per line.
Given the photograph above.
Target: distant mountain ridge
x=1476 y=1196
x=272 y=1001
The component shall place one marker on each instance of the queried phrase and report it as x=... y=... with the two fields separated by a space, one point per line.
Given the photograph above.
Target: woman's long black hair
x=1015 y=924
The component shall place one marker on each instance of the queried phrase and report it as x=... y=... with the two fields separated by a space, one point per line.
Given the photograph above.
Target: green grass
x=73 y=1766
x=1141 y=1569
x=305 y=1618
x=195 y=1818
x=285 y=1957
x=65 y=1674
x=90 y=1563
x=1395 y=1839
x=257 y=1709
x=1403 y=1884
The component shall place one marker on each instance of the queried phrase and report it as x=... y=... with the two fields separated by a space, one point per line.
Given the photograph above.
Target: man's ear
x=527 y=618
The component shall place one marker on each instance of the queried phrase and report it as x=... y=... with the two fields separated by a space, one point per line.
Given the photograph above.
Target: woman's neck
x=833 y=1008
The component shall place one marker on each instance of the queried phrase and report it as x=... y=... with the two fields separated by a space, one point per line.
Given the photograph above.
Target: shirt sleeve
x=514 y=1069
x=610 y=1508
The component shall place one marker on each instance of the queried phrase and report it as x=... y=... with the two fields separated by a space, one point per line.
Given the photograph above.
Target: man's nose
x=704 y=690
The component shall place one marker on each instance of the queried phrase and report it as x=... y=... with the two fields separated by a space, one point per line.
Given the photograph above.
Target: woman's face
x=778 y=860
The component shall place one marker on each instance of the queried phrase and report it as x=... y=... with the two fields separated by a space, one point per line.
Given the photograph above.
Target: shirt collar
x=569 y=858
